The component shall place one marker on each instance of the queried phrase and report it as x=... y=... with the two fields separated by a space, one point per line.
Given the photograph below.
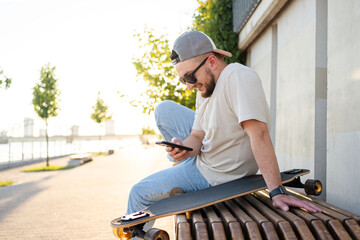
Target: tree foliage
x=214 y=18
x=46 y=99
x=46 y=94
x=100 y=113
x=155 y=69
x=4 y=80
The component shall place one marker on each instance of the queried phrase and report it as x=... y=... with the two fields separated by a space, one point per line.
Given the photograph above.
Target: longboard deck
x=199 y=199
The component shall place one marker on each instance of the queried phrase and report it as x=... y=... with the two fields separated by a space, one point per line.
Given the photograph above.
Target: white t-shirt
x=226 y=153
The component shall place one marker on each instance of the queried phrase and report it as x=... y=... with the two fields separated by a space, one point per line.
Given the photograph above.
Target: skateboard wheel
x=313 y=187
x=156 y=234
x=123 y=234
x=176 y=191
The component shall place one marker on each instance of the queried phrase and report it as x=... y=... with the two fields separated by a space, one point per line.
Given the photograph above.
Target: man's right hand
x=176 y=153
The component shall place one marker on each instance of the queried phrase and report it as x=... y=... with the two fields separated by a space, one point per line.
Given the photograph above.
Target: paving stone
x=78 y=203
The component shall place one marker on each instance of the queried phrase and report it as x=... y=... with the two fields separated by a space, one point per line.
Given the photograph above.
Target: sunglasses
x=190 y=78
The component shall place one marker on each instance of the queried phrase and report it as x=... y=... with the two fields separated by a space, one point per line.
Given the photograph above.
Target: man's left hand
x=284 y=202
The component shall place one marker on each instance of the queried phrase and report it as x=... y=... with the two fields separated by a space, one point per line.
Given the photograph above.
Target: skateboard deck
x=199 y=199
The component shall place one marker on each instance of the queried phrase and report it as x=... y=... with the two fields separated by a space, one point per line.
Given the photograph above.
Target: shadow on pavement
x=11 y=197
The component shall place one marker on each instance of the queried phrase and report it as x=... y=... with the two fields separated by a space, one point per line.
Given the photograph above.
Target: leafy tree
x=214 y=18
x=155 y=69
x=4 y=79
x=46 y=98
x=100 y=113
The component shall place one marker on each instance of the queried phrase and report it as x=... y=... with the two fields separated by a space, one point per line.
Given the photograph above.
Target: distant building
x=3 y=137
x=28 y=127
x=75 y=130
x=109 y=127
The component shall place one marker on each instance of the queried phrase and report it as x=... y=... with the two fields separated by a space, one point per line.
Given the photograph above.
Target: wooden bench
x=254 y=217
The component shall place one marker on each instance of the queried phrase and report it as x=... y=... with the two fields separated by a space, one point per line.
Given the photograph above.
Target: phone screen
x=173 y=145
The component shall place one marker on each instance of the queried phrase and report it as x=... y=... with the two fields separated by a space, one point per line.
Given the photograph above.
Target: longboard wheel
x=176 y=191
x=123 y=234
x=156 y=234
x=313 y=187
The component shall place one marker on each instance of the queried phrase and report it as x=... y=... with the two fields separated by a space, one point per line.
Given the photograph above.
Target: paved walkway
x=78 y=203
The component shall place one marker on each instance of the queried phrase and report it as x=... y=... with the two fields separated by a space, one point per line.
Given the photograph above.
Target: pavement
x=78 y=203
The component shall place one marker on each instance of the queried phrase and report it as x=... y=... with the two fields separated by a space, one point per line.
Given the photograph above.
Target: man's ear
x=214 y=62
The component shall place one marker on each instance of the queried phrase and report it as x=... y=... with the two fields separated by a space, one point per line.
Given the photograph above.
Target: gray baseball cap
x=191 y=44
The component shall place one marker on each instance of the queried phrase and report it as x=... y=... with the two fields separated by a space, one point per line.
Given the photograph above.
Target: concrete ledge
x=261 y=17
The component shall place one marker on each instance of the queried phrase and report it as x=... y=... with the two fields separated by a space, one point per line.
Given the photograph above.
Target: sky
x=91 y=44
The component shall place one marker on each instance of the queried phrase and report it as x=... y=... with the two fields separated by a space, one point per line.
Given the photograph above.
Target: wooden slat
x=329 y=206
x=284 y=230
x=250 y=228
x=244 y=217
x=338 y=230
x=235 y=232
x=183 y=230
x=303 y=230
x=216 y=226
x=232 y=227
x=269 y=231
x=320 y=230
x=317 y=226
x=266 y=226
x=252 y=212
x=353 y=228
x=199 y=226
x=253 y=231
x=298 y=223
x=331 y=213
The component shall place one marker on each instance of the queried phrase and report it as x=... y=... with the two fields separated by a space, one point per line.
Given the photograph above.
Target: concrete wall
x=343 y=131
x=289 y=79
x=308 y=59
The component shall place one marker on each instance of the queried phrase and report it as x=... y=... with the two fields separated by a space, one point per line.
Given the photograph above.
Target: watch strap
x=277 y=191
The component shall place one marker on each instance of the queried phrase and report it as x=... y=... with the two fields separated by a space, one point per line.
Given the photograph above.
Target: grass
x=101 y=154
x=5 y=183
x=47 y=168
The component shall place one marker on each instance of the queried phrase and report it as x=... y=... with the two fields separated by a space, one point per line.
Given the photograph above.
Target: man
x=229 y=131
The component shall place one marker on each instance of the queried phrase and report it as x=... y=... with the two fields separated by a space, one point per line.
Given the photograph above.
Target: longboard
x=191 y=201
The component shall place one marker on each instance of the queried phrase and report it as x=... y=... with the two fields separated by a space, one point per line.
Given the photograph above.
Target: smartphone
x=173 y=145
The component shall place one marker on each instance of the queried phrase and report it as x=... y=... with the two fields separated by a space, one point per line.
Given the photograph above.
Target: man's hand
x=176 y=153
x=284 y=202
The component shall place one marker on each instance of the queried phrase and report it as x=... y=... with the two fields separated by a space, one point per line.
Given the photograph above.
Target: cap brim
x=222 y=52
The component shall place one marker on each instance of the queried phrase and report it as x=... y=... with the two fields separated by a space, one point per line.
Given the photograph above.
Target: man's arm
x=194 y=140
x=264 y=154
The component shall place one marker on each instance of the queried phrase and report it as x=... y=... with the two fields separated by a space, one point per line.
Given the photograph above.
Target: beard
x=209 y=86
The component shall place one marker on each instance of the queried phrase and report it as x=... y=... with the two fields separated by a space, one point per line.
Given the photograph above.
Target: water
x=23 y=151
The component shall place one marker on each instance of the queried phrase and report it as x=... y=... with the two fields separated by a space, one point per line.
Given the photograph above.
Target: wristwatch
x=277 y=191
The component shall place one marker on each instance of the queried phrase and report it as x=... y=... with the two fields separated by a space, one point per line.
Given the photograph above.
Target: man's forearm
x=266 y=159
x=195 y=142
x=263 y=151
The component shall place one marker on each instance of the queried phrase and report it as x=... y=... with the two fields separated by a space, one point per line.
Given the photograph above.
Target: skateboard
x=131 y=225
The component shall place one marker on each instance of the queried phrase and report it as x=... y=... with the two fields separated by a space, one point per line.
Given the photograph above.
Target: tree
x=100 y=113
x=4 y=79
x=46 y=98
x=155 y=69
x=214 y=18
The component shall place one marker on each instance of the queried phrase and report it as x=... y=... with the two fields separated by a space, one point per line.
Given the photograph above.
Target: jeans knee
x=137 y=191
x=162 y=108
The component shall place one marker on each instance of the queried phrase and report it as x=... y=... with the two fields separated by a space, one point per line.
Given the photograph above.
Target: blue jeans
x=173 y=120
